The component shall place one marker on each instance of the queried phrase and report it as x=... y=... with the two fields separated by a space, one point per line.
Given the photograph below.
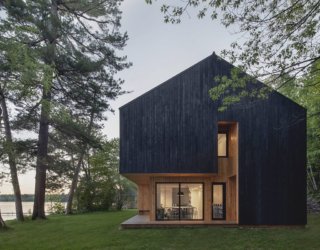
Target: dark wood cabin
x=196 y=165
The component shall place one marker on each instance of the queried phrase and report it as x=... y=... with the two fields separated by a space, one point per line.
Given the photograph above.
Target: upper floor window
x=222 y=144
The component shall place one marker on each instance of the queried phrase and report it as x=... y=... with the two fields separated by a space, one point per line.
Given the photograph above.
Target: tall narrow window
x=222 y=144
x=218 y=201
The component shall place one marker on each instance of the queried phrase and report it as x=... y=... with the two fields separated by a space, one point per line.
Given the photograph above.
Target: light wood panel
x=144 y=199
x=233 y=176
x=231 y=199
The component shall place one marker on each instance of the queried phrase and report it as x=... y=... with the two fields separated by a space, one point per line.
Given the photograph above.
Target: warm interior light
x=222 y=144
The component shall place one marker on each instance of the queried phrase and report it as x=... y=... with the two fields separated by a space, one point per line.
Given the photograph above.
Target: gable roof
x=215 y=58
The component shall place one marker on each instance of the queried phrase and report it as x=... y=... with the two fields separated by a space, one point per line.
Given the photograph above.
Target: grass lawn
x=101 y=231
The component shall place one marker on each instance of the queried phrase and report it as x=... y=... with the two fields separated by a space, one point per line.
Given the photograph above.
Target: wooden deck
x=143 y=221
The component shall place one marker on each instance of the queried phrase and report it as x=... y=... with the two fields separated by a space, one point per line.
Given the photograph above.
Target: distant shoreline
x=30 y=198
x=22 y=201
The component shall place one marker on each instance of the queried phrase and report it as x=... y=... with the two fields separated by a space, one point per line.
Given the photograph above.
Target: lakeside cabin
x=194 y=165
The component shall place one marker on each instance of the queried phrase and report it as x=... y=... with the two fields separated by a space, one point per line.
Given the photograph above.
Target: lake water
x=8 y=209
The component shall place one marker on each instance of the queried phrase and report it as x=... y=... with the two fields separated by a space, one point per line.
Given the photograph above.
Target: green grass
x=101 y=231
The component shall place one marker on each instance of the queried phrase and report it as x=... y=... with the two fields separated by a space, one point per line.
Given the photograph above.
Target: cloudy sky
x=158 y=51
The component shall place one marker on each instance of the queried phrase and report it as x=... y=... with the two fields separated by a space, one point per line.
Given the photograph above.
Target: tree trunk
x=12 y=161
x=74 y=184
x=42 y=153
x=75 y=177
x=42 y=160
x=2 y=223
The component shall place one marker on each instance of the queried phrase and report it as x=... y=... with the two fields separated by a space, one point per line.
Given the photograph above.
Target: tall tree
x=83 y=149
x=42 y=155
x=8 y=146
x=76 y=44
x=16 y=67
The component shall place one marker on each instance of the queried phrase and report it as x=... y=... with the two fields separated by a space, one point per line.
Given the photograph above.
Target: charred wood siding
x=173 y=129
x=272 y=161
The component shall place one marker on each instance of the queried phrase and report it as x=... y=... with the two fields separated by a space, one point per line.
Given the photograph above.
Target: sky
x=158 y=52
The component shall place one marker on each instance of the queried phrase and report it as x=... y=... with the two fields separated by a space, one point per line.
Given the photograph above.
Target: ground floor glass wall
x=179 y=201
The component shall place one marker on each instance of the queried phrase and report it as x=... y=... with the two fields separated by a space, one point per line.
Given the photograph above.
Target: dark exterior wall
x=272 y=161
x=173 y=129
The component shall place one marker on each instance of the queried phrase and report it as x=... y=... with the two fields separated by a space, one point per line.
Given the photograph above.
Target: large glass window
x=222 y=144
x=218 y=201
x=179 y=201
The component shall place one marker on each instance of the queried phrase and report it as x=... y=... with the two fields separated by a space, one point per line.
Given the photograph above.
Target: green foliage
x=101 y=187
x=94 y=195
x=78 y=66
x=236 y=88
x=306 y=92
x=311 y=99
x=57 y=208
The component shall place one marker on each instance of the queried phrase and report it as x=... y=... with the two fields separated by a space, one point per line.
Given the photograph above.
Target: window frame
x=224 y=198
x=179 y=183
x=226 y=132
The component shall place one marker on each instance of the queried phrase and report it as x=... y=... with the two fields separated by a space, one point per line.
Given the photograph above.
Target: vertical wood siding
x=172 y=128
x=272 y=161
